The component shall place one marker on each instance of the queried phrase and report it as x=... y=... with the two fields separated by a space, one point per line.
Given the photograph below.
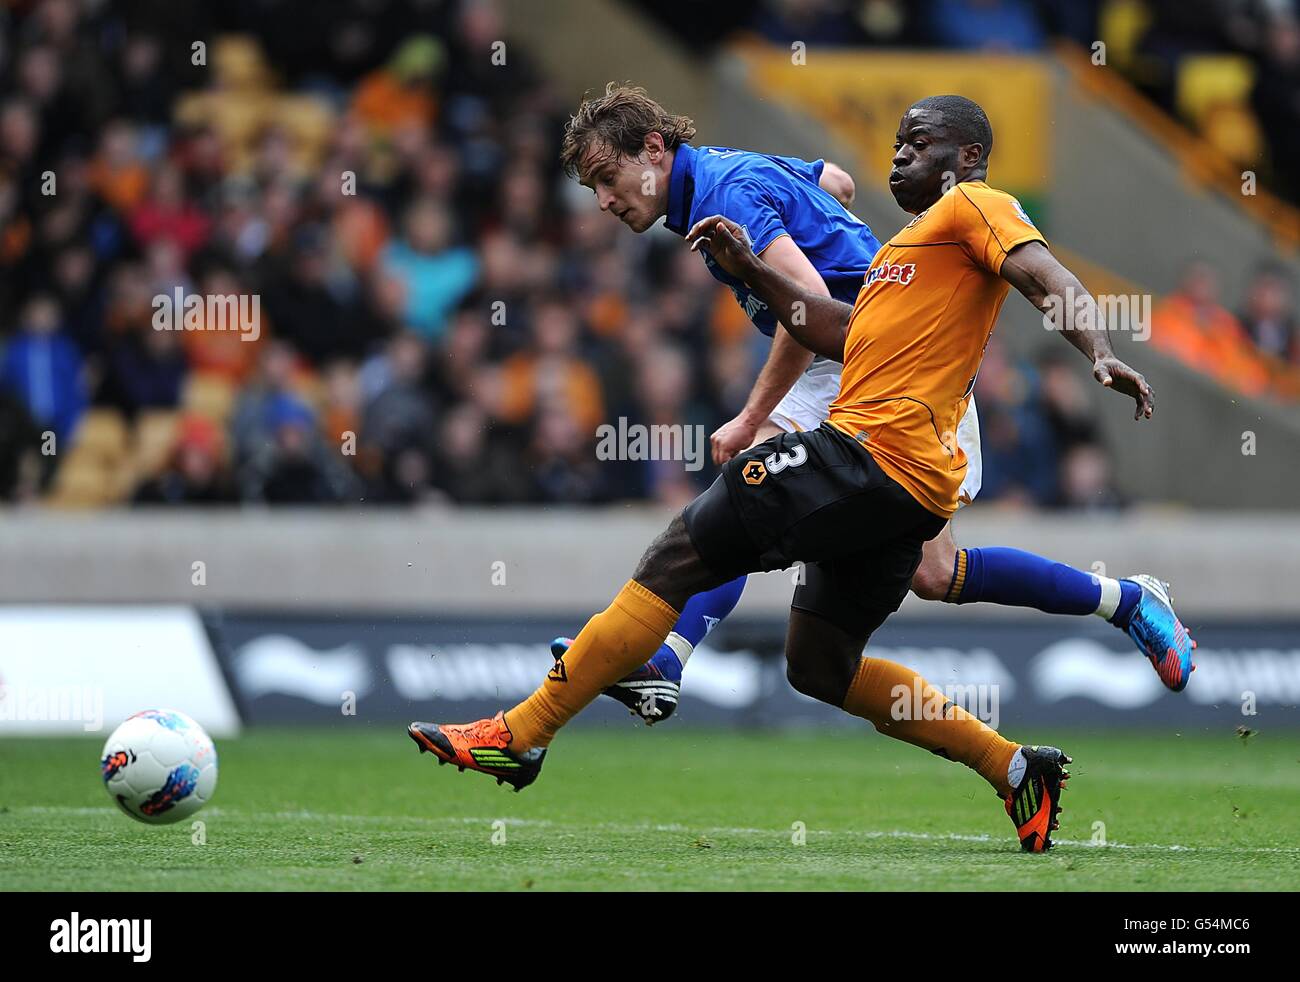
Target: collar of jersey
x=681 y=189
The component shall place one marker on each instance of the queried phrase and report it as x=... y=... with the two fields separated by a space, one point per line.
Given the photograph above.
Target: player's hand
x=731 y=438
x=727 y=243
x=1114 y=374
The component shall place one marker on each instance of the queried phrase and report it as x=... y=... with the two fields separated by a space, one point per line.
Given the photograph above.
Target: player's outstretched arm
x=1039 y=276
x=819 y=323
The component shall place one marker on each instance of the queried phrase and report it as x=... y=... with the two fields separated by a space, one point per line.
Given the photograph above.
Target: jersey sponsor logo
x=1020 y=213
x=901 y=273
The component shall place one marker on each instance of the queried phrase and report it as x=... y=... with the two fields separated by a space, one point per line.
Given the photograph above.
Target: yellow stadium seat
x=101 y=435
x=1209 y=82
x=1214 y=95
x=209 y=395
x=155 y=432
x=1235 y=132
x=1121 y=25
x=83 y=482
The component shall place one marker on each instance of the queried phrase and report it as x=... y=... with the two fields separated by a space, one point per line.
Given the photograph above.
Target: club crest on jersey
x=900 y=273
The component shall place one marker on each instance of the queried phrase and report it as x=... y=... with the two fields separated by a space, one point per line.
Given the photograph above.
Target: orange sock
x=882 y=691
x=622 y=637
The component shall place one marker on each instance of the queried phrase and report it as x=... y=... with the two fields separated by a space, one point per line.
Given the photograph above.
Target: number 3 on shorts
x=778 y=462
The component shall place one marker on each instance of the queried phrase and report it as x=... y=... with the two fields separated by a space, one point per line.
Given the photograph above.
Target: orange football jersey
x=917 y=334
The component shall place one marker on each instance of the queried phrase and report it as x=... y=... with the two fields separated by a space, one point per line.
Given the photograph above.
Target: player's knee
x=817 y=683
x=819 y=679
x=932 y=579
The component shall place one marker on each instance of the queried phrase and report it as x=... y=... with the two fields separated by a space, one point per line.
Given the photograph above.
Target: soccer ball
x=159 y=766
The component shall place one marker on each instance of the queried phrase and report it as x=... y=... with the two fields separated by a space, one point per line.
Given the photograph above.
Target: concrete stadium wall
x=561 y=561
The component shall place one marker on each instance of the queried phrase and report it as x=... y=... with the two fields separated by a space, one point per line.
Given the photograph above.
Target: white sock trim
x=681 y=647
x=1110 y=597
x=1016 y=769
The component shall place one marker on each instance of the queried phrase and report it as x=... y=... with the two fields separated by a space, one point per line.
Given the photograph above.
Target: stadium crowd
x=443 y=317
x=1223 y=66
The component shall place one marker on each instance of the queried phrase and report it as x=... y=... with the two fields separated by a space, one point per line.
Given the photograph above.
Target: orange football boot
x=481 y=746
x=1036 y=802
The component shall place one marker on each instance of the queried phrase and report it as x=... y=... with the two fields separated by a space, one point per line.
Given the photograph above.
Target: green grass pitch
x=357 y=808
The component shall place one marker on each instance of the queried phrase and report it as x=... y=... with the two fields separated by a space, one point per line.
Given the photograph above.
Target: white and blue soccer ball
x=159 y=766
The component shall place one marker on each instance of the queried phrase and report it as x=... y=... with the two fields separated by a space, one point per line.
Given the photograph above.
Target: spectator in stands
x=397 y=418
x=1269 y=315
x=22 y=466
x=1086 y=480
x=166 y=213
x=117 y=174
x=469 y=324
x=433 y=273
x=146 y=370
x=43 y=368
x=475 y=463
x=276 y=376
x=987 y=25
x=80 y=296
x=295 y=466
x=1019 y=455
x=552 y=368
x=562 y=462
x=400 y=95
x=813 y=22
x=1276 y=99
x=664 y=389
x=1064 y=402
x=1194 y=327
x=195 y=473
x=316 y=304
x=229 y=353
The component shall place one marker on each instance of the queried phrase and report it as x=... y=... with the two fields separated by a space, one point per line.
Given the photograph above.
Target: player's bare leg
x=1140 y=605
x=827 y=663
x=652 y=690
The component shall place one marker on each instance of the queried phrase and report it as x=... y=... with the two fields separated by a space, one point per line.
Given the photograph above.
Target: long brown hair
x=621 y=118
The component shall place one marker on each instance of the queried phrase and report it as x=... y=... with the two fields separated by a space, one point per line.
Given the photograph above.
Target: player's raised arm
x=1039 y=276
x=818 y=322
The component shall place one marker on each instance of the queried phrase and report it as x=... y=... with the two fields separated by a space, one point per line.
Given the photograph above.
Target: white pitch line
x=312 y=816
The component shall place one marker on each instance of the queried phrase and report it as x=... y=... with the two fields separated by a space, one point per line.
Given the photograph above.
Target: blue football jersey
x=770 y=196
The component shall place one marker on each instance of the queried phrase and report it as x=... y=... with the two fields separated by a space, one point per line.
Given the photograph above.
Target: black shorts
x=817 y=498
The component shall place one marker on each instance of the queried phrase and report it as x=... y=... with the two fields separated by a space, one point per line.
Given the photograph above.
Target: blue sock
x=1015 y=578
x=1130 y=594
x=700 y=615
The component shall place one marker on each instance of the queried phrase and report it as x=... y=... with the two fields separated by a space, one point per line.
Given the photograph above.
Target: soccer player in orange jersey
x=857 y=498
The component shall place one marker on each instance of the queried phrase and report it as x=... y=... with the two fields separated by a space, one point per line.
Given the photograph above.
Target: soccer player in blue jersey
x=638 y=160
